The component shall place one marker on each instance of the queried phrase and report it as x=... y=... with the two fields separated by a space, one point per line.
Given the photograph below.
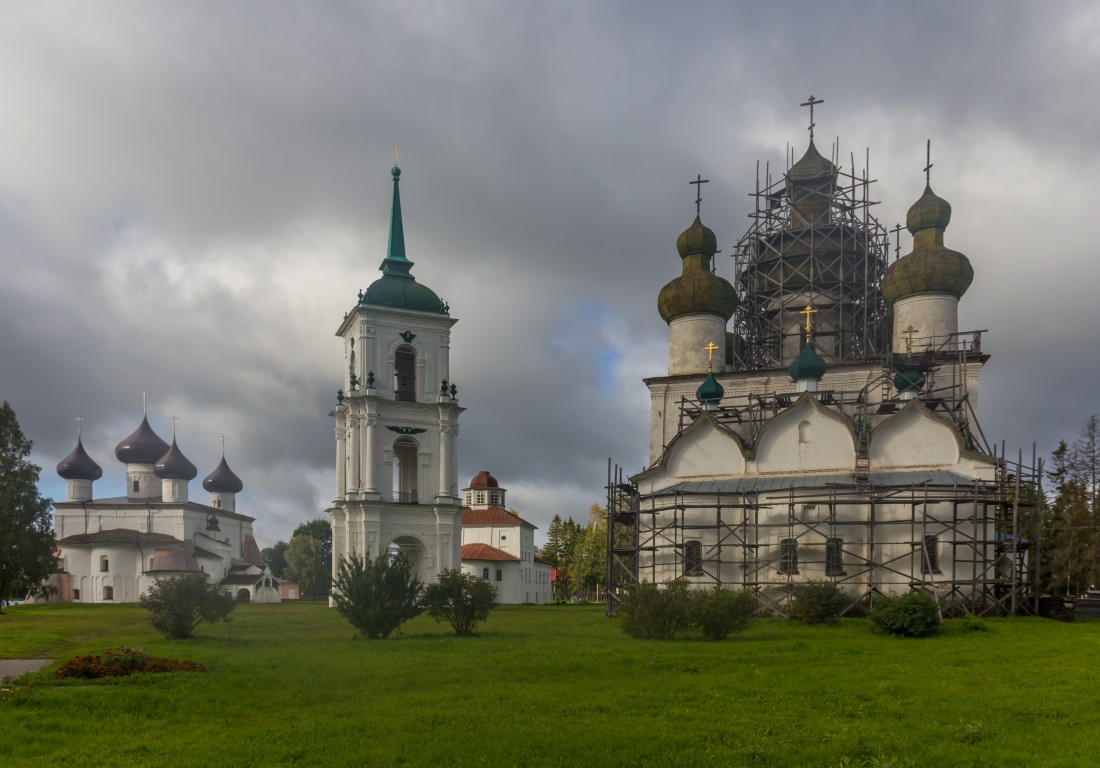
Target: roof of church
x=222 y=480
x=484 y=552
x=493 y=516
x=120 y=536
x=144 y=446
x=78 y=465
x=157 y=503
x=483 y=480
x=252 y=553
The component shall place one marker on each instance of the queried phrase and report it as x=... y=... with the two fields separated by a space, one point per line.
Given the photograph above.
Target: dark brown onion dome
x=697 y=290
x=78 y=465
x=174 y=465
x=484 y=480
x=931 y=267
x=142 y=447
x=222 y=480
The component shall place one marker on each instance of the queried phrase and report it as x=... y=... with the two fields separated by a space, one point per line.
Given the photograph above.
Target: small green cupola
x=909 y=381
x=710 y=392
x=397 y=288
x=930 y=268
x=807 y=369
x=697 y=290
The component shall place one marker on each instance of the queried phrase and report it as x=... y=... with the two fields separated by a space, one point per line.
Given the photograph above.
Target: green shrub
x=461 y=599
x=718 y=612
x=179 y=604
x=913 y=615
x=376 y=596
x=652 y=612
x=818 y=602
x=969 y=624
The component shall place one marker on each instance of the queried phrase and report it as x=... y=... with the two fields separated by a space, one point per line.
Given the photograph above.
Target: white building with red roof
x=499 y=546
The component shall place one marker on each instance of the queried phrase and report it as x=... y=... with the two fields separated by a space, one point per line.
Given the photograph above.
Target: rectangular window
x=76 y=594
x=834 y=557
x=809 y=513
x=500 y=575
x=103 y=565
x=135 y=486
x=693 y=558
x=788 y=556
x=930 y=555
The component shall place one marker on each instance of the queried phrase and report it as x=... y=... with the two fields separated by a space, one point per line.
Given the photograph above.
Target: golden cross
x=908 y=334
x=808 y=312
x=710 y=347
x=395 y=154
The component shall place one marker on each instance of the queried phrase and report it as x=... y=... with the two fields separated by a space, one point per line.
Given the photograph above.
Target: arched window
x=500 y=575
x=404 y=373
x=788 y=556
x=108 y=593
x=805 y=431
x=404 y=471
x=834 y=557
x=693 y=558
x=485 y=573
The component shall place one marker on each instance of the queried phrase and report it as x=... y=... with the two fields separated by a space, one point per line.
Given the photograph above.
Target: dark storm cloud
x=191 y=195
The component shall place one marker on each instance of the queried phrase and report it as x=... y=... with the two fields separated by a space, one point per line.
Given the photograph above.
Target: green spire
x=395 y=263
x=710 y=391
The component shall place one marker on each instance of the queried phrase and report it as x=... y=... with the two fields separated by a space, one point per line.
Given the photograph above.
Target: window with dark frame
x=788 y=556
x=834 y=557
x=693 y=558
x=500 y=575
x=930 y=555
x=485 y=573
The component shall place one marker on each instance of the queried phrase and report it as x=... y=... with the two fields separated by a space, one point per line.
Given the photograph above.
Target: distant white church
x=830 y=432
x=113 y=549
x=499 y=546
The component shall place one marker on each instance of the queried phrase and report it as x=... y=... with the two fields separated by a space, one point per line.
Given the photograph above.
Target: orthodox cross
x=78 y=419
x=810 y=104
x=908 y=334
x=808 y=312
x=699 y=182
x=897 y=240
x=145 y=402
x=928 y=164
x=173 y=418
x=710 y=347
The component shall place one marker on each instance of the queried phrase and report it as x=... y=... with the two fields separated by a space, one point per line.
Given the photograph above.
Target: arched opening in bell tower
x=414 y=551
x=404 y=471
x=404 y=373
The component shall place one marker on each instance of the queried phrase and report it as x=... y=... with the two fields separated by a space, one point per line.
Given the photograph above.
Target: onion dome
x=710 y=391
x=484 y=480
x=930 y=268
x=174 y=465
x=397 y=288
x=697 y=290
x=142 y=447
x=909 y=378
x=78 y=465
x=222 y=480
x=808 y=365
x=812 y=166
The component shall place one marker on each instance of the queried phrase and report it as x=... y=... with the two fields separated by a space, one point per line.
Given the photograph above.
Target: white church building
x=112 y=549
x=829 y=432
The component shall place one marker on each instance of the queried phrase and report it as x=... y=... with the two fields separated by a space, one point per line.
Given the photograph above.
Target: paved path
x=12 y=668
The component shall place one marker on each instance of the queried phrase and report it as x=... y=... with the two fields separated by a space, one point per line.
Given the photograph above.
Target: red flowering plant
x=122 y=661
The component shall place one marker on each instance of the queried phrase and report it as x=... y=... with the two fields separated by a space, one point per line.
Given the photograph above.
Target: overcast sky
x=191 y=195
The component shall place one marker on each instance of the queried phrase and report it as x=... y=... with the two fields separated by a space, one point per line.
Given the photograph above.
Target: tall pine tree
x=27 y=544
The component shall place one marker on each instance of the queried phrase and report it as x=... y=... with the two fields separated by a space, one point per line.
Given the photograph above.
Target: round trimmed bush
x=913 y=615
x=818 y=602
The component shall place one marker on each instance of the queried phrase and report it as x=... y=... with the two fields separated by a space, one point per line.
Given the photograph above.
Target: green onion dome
x=931 y=267
x=909 y=378
x=710 y=391
x=811 y=166
x=808 y=365
x=697 y=290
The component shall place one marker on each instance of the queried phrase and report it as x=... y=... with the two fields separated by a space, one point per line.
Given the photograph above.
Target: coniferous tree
x=27 y=545
x=1071 y=526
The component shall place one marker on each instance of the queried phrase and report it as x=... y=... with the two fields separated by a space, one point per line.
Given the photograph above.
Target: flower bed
x=122 y=661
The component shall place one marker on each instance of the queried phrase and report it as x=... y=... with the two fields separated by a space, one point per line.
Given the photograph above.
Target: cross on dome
x=809 y=311
x=811 y=104
x=699 y=182
x=710 y=347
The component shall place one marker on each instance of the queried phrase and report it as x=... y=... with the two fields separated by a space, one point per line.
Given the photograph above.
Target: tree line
x=1070 y=536
x=578 y=554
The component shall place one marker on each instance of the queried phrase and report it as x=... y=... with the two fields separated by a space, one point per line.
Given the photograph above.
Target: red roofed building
x=499 y=546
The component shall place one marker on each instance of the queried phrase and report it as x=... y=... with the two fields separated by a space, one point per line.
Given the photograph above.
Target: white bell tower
x=397 y=422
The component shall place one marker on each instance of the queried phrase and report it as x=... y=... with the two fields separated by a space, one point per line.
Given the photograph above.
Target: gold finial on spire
x=809 y=312
x=395 y=154
x=908 y=334
x=710 y=347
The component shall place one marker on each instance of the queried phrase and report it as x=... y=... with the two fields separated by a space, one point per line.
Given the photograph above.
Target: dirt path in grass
x=12 y=668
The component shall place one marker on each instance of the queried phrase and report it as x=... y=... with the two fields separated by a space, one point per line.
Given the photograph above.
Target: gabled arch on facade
x=705 y=448
x=807 y=436
x=915 y=437
x=415 y=551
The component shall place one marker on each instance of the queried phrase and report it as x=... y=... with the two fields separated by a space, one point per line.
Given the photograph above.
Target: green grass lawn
x=562 y=686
